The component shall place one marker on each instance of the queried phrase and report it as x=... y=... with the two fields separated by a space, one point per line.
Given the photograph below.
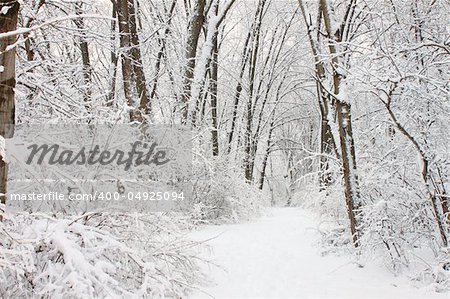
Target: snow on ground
x=275 y=257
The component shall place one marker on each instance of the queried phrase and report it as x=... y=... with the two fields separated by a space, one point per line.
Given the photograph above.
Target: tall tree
x=253 y=59
x=335 y=103
x=327 y=142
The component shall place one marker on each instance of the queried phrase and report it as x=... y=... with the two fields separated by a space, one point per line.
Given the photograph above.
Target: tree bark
x=237 y=95
x=248 y=166
x=114 y=59
x=204 y=67
x=138 y=68
x=125 y=45
x=8 y=22
x=194 y=29
x=327 y=142
x=87 y=70
x=213 y=93
x=344 y=123
x=266 y=155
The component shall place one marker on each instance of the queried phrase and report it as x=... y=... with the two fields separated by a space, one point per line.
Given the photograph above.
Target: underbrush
x=95 y=255
x=221 y=195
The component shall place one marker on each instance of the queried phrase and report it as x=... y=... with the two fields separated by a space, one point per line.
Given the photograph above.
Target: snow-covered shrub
x=329 y=206
x=222 y=195
x=94 y=256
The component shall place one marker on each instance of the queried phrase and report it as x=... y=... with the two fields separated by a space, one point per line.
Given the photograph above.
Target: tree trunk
x=248 y=156
x=424 y=173
x=273 y=56
x=237 y=95
x=28 y=40
x=162 y=51
x=194 y=29
x=114 y=59
x=344 y=123
x=327 y=142
x=8 y=22
x=213 y=92
x=266 y=155
x=125 y=45
x=87 y=70
x=203 y=68
x=141 y=82
x=349 y=167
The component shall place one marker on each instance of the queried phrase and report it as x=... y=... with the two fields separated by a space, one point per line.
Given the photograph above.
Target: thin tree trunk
x=249 y=113
x=125 y=45
x=161 y=52
x=238 y=91
x=87 y=70
x=203 y=68
x=425 y=171
x=28 y=40
x=213 y=92
x=272 y=76
x=266 y=155
x=114 y=59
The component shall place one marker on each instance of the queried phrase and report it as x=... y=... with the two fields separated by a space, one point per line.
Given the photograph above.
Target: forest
x=334 y=110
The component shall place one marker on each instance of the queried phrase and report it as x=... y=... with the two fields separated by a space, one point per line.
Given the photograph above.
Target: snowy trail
x=275 y=257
